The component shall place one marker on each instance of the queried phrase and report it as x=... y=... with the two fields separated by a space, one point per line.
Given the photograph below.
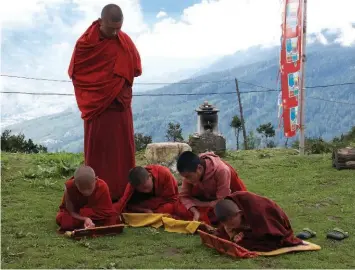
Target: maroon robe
x=161 y=200
x=220 y=180
x=102 y=71
x=267 y=226
x=98 y=207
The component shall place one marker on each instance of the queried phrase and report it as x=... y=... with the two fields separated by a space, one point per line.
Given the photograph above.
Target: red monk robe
x=161 y=200
x=98 y=207
x=267 y=227
x=102 y=71
x=219 y=180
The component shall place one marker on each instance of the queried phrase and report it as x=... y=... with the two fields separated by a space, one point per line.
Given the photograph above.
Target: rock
x=165 y=153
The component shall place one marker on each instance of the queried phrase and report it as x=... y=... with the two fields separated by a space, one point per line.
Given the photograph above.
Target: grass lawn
x=312 y=193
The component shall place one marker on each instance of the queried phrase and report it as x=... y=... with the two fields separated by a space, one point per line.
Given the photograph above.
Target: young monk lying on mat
x=207 y=178
x=86 y=202
x=152 y=189
x=254 y=222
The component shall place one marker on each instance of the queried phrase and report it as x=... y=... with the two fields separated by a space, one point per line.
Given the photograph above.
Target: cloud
x=161 y=14
x=38 y=38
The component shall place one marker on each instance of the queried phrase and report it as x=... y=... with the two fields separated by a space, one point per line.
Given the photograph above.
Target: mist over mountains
x=326 y=64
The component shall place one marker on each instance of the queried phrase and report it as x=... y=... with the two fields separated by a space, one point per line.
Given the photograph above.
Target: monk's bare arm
x=186 y=198
x=70 y=207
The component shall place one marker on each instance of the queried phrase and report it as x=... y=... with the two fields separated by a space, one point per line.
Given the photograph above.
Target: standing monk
x=102 y=68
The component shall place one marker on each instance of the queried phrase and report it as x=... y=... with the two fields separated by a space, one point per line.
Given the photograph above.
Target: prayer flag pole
x=303 y=85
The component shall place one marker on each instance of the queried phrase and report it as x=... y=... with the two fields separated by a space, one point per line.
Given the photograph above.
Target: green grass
x=312 y=193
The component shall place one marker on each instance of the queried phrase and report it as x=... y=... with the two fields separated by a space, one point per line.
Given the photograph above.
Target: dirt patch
x=322 y=204
x=171 y=251
x=334 y=218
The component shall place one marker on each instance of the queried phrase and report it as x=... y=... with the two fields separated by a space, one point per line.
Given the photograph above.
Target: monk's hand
x=207 y=228
x=88 y=223
x=196 y=213
x=238 y=237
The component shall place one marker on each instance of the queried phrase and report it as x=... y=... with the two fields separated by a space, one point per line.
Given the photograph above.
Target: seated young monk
x=254 y=222
x=152 y=189
x=86 y=202
x=207 y=179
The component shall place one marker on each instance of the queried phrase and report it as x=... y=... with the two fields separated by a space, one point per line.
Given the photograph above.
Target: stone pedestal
x=208 y=141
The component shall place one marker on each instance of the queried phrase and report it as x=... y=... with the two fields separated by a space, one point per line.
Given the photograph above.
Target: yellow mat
x=308 y=246
x=190 y=227
x=159 y=220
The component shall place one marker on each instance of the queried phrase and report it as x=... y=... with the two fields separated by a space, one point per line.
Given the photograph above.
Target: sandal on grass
x=306 y=234
x=337 y=234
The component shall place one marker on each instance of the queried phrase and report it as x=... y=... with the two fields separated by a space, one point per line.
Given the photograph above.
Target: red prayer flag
x=290 y=64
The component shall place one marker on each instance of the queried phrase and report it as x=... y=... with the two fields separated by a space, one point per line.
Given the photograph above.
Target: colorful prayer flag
x=290 y=64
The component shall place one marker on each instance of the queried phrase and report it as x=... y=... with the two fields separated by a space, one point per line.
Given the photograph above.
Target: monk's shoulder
x=240 y=195
x=70 y=185
x=101 y=184
x=157 y=167
x=71 y=189
x=215 y=159
x=220 y=165
x=126 y=37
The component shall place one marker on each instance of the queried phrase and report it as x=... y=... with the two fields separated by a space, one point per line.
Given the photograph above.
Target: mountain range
x=326 y=64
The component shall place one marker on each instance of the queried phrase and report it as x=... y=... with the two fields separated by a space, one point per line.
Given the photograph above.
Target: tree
x=237 y=125
x=141 y=141
x=267 y=131
x=18 y=143
x=174 y=133
x=252 y=141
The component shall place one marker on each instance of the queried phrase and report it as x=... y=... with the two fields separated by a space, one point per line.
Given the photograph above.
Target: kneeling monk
x=254 y=222
x=103 y=66
x=207 y=179
x=152 y=189
x=86 y=202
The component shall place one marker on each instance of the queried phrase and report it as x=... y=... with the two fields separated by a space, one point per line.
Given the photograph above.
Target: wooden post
x=241 y=116
x=303 y=84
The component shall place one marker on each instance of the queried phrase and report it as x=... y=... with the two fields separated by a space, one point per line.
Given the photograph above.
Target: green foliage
x=18 y=144
x=315 y=146
x=29 y=206
x=236 y=124
x=267 y=131
x=345 y=140
x=252 y=141
x=174 y=133
x=141 y=141
x=318 y=145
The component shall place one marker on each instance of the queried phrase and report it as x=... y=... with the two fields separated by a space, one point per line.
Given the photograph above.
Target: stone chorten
x=207 y=137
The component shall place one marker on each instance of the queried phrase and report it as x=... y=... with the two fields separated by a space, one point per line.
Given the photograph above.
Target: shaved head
x=225 y=209
x=188 y=162
x=112 y=13
x=138 y=176
x=84 y=175
x=85 y=180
